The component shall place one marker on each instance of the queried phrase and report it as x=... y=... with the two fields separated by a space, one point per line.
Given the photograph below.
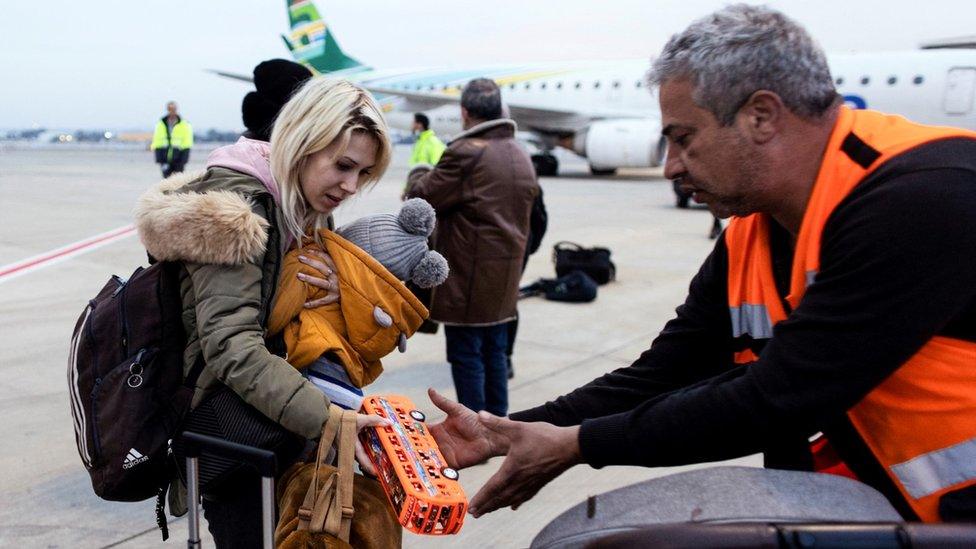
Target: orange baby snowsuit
x=375 y=311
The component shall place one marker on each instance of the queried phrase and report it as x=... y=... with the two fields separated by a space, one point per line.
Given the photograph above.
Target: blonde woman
x=229 y=227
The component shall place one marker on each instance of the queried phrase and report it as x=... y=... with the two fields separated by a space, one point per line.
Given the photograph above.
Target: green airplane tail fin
x=311 y=43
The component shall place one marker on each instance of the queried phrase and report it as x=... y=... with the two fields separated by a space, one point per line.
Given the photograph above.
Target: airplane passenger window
x=840 y=81
x=511 y=86
x=638 y=84
x=578 y=85
x=616 y=84
x=596 y=85
x=528 y=85
x=892 y=80
x=559 y=85
x=865 y=80
x=542 y=86
x=918 y=80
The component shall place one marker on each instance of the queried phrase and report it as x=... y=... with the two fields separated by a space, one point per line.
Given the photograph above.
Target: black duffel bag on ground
x=595 y=262
x=575 y=287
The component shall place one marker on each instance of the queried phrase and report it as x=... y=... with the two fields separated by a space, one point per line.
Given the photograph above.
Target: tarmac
x=55 y=197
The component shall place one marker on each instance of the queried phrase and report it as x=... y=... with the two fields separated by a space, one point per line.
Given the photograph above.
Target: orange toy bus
x=423 y=489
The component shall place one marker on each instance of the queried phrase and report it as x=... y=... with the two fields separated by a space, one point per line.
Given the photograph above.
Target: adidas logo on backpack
x=133 y=458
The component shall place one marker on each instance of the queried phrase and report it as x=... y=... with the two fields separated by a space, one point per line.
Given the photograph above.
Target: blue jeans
x=479 y=366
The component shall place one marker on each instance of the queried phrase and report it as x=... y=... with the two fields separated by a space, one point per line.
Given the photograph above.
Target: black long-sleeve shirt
x=898 y=266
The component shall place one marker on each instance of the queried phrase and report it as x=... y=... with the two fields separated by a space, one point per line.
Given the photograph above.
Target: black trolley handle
x=196 y=444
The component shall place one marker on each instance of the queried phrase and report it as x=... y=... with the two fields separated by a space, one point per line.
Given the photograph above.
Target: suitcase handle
x=196 y=444
x=264 y=460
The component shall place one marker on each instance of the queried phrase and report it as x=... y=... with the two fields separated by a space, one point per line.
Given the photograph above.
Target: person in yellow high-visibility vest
x=428 y=148
x=172 y=141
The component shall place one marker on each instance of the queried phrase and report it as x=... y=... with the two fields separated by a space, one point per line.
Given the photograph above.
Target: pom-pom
x=417 y=217
x=431 y=271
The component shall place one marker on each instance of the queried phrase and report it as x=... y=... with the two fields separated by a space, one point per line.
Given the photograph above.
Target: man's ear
x=761 y=115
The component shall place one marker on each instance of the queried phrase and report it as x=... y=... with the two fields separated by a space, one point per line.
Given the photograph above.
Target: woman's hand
x=321 y=262
x=363 y=421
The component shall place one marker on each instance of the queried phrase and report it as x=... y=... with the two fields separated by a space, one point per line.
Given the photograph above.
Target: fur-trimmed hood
x=217 y=226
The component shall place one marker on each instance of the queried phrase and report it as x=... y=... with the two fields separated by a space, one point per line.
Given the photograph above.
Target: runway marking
x=64 y=253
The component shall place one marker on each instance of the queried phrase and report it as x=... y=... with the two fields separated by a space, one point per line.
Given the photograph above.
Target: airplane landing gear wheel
x=602 y=171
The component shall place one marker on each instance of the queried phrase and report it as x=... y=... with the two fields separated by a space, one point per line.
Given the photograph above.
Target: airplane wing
x=232 y=75
x=555 y=119
x=432 y=100
x=421 y=99
x=962 y=42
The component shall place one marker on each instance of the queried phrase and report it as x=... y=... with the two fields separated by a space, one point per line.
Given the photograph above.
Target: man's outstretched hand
x=537 y=453
x=461 y=437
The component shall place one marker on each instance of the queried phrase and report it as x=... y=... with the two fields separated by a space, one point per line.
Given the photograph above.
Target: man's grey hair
x=482 y=99
x=738 y=50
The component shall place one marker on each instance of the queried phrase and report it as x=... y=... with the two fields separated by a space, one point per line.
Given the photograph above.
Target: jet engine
x=624 y=143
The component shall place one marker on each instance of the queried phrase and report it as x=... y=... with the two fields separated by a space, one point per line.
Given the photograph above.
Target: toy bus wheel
x=418 y=415
x=449 y=473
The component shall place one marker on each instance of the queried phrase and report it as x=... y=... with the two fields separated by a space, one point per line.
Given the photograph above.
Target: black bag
x=224 y=415
x=575 y=287
x=125 y=382
x=595 y=262
x=538 y=222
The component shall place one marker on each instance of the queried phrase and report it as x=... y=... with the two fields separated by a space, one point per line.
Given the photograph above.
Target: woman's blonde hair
x=324 y=111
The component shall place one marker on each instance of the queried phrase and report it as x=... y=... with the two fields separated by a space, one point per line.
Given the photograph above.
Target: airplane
x=605 y=111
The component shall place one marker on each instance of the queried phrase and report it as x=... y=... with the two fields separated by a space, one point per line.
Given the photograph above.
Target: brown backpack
x=125 y=381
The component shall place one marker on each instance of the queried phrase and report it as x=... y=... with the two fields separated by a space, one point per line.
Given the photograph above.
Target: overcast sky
x=113 y=64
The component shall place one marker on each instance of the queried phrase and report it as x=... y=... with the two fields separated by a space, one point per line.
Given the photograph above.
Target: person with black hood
x=275 y=81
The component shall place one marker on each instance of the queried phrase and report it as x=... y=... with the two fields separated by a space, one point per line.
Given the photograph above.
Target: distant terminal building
x=134 y=137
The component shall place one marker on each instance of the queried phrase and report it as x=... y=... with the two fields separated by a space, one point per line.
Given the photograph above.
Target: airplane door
x=960 y=87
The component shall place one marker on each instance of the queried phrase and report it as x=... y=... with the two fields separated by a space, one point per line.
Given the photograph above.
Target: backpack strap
x=194 y=374
x=329 y=508
x=333 y=513
x=347 y=451
x=307 y=516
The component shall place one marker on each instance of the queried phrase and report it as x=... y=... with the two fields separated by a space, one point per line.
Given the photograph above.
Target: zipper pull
x=139 y=355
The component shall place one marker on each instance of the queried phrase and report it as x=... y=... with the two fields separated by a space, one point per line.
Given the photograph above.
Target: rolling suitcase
x=264 y=460
x=792 y=536
x=716 y=495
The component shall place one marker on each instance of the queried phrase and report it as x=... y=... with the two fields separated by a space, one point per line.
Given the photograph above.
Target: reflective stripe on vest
x=935 y=471
x=751 y=320
x=920 y=422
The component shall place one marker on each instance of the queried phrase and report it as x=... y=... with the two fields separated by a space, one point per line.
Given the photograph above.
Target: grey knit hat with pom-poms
x=399 y=242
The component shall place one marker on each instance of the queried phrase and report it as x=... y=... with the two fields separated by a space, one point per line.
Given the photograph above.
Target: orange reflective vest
x=920 y=423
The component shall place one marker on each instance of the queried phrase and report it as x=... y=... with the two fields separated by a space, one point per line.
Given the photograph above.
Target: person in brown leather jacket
x=483 y=188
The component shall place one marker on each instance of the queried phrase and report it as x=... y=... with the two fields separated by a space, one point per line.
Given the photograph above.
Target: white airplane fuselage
x=927 y=86
x=562 y=106
x=935 y=87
